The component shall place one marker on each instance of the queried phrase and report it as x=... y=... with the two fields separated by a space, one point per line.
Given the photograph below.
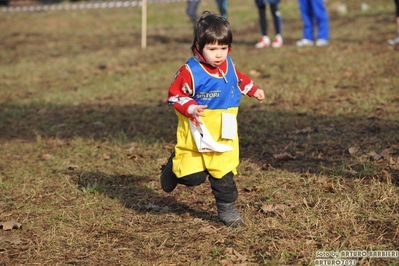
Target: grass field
x=84 y=129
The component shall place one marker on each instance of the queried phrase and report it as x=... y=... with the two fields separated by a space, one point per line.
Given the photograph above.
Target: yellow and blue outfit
x=220 y=88
x=221 y=95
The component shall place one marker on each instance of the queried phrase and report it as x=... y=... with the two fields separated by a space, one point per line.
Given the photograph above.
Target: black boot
x=168 y=178
x=228 y=214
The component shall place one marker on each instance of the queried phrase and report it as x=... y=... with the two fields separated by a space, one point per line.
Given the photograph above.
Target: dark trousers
x=263 y=21
x=224 y=189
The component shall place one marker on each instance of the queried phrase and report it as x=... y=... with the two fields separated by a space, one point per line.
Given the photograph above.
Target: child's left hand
x=260 y=95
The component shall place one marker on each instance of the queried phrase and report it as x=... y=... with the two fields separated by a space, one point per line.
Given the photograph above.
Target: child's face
x=215 y=54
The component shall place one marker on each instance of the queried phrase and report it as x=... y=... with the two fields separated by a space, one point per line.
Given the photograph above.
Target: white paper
x=229 y=126
x=204 y=140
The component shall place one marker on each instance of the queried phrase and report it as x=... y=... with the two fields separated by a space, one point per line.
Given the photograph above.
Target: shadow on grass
x=320 y=144
x=133 y=192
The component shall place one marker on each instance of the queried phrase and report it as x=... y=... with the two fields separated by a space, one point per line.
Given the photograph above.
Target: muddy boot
x=228 y=214
x=168 y=178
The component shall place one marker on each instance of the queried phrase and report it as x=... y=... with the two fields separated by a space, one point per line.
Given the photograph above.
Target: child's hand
x=198 y=113
x=260 y=95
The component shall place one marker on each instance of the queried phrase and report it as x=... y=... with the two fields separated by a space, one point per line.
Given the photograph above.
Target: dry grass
x=84 y=128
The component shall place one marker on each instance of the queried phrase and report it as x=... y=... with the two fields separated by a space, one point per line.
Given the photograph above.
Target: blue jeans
x=191 y=10
x=222 y=6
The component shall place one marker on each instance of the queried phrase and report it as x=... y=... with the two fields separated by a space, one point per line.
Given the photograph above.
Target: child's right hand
x=198 y=113
x=260 y=95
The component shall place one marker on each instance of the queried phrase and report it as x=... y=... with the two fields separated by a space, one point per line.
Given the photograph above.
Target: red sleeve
x=181 y=92
x=246 y=84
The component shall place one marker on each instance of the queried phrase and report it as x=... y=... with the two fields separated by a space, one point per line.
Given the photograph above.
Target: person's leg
x=192 y=6
x=397 y=23
x=397 y=15
x=321 y=15
x=224 y=189
x=168 y=178
x=262 y=20
x=396 y=40
x=222 y=6
x=278 y=22
x=224 y=10
x=226 y=194
x=265 y=40
x=307 y=18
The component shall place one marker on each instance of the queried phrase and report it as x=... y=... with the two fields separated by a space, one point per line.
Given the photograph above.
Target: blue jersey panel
x=216 y=92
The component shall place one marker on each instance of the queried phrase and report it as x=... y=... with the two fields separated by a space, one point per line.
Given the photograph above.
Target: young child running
x=206 y=95
x=278 y=23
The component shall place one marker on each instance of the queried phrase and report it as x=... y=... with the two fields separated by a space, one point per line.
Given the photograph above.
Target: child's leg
x=224 y=189
x=278 y=22
x=226 y=194
x=169 y=180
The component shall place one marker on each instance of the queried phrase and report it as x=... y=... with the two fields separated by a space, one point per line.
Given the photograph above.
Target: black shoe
x=168 y=178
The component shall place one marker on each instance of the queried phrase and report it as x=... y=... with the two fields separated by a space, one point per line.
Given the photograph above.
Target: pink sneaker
x=263 y=42
x=277 y=41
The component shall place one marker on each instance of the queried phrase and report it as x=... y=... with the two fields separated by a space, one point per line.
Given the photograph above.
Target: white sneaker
x=263 y=42
x=304 y=42
x=393 y=41
x=321 y=42
x=277 y=41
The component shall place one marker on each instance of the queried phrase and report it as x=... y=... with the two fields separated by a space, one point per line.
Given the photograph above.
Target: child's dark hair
x=211 y=28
